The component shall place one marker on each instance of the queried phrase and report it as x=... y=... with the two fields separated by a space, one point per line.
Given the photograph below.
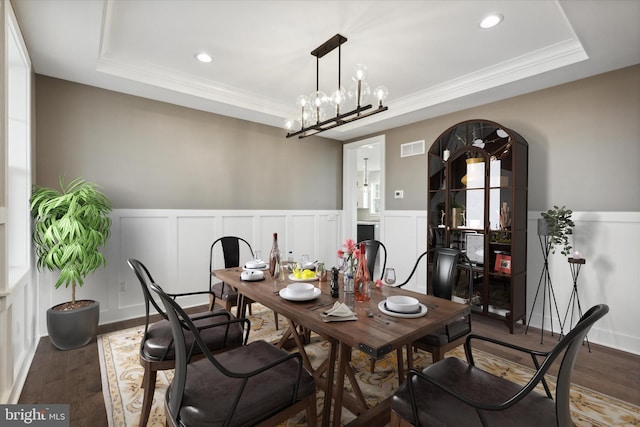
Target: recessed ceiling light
x=491 y=21
x=203 y=57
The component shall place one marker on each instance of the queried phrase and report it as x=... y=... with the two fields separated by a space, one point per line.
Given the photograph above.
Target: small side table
x=575 y=264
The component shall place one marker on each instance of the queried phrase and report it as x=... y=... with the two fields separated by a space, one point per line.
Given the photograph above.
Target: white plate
x=423 y=311
x=245 y=268
x=293 y=279
x=285 y=294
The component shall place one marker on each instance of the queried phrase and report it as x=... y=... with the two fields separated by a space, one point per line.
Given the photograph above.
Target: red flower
x=340 y=253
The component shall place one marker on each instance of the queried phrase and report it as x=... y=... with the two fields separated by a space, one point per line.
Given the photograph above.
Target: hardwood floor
x=73 y=376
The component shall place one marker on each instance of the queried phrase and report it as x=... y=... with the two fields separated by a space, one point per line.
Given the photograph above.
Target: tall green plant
x=560 y=227
x=70 y=227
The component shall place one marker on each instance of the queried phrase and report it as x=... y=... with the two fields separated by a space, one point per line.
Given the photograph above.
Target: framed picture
x=475 y=247
x=503 y=263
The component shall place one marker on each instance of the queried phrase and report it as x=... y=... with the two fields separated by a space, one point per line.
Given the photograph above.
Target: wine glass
x=304 y=259
x=389 y=276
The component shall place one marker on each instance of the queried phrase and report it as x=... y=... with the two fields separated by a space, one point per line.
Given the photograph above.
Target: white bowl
x=300 y=289
x=402 y=304
x=255 y=264
x=309 y=266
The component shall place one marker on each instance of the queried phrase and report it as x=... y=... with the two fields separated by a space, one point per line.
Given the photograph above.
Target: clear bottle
x=274 y=256
x=348 y=284
x=361 y=289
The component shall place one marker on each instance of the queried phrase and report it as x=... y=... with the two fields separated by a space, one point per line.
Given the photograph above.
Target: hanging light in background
x=366 y=175
x=312 y=109
x=365 y=186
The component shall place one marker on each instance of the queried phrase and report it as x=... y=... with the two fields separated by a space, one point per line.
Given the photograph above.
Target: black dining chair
x=227 y=295
x=255 y=384
x=219 y=331
x=444 y=277
x=453 y=392
x=373 y=248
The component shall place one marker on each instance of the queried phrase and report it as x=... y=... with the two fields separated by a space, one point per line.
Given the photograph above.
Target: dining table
x=375 y=333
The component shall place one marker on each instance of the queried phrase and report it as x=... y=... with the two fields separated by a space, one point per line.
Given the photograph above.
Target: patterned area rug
x=122 y=375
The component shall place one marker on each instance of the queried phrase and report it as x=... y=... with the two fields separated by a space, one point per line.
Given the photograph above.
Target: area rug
x=122 y=376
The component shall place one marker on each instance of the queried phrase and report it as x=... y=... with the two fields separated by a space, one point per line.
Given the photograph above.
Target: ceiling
x=431 y=55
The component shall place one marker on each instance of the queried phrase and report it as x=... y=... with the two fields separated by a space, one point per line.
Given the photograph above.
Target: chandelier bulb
x=359 y=72
x=302 y=101
x=288 y=124
x=381 y=94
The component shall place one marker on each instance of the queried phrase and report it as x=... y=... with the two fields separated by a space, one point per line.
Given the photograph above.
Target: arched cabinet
x=477 y=202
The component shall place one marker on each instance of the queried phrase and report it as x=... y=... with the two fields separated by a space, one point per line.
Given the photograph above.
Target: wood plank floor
x=73 y=376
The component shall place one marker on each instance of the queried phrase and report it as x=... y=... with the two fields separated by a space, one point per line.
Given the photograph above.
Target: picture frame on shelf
x=503 y=264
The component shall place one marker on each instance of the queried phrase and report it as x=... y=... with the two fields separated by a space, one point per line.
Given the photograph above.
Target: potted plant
x=557 y=225
x=71 y=225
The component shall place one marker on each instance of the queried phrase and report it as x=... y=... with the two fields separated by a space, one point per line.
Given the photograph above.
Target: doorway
x=363 y=203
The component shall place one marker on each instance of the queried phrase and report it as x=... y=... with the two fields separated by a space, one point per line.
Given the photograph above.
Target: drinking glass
x=304 y=259
x=390 y=276
x=257 y=255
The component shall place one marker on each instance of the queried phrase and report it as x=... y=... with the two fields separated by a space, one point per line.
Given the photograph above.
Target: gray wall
x=584 y=145
x=149 y=154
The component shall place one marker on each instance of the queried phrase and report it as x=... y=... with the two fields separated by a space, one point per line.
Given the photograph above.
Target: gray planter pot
x=543 y=227
x=74 y=328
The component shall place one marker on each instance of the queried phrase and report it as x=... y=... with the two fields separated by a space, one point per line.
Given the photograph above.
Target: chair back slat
x=176 y=388
x=145 y=279
x=445 y=263
x=230 y=251
x=373 y=248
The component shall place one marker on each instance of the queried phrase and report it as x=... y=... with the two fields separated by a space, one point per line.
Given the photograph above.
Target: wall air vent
x=412 y=148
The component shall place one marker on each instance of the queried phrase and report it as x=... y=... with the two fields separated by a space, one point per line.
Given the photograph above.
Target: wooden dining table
x=375 y=335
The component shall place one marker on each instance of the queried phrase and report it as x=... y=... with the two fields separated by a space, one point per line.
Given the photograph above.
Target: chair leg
x=149 y=386
x=312 y=412
x=398 y=421
x=372 y=364
x=275 y=319
x=437 y=354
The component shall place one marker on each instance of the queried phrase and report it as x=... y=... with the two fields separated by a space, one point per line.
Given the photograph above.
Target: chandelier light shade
x=314 y=109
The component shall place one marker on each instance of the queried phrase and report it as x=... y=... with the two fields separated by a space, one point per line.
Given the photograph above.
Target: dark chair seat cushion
x=225 y=292
x=440 y=337
x=159 y=336
x=438 y=408
x=209 y=394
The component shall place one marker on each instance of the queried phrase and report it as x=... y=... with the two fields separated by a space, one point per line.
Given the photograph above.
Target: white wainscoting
x=609 y=243
x=607 y=240
x=174 y=244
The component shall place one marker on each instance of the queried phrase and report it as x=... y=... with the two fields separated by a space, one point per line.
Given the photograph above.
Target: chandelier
x=313 y=118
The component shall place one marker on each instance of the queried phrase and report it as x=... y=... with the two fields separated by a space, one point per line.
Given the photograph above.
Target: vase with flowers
x=348 y=259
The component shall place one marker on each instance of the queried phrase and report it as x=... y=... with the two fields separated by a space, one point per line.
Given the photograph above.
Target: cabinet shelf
x=481 y=189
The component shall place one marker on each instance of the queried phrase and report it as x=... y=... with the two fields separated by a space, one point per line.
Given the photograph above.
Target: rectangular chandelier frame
x=360 y=112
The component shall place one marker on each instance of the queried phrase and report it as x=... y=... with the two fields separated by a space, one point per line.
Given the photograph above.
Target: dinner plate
x=383 y=308
x=294 y=279
x=245 y=268
x=285 y=294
